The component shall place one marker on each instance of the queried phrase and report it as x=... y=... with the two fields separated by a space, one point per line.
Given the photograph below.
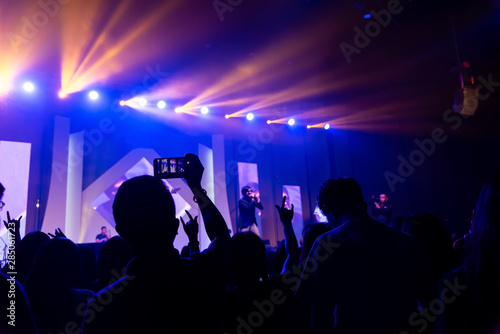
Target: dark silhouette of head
x=341 y=196
x=435 y=240
x=2 y=189
x=112 y=260
x=57 y=266
x=26 y=252
x=144 y=213
x=88 y=260
x=185 y=251
x=310 y=233
x=248 y=257
x=55 y=273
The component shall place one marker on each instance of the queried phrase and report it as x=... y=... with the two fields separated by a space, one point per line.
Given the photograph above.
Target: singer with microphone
x=247 y=205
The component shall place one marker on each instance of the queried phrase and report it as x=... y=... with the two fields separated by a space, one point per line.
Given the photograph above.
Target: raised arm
x=291 y=245
x=192 y=228
x=14 y=238
x=215 y=225
x=13 y=227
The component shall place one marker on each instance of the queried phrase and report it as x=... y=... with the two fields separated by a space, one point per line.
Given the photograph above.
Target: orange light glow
x=90 y=55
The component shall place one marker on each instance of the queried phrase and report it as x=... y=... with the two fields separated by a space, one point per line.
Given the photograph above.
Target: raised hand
x=285 y=214
x=16 y=223
x=58 y=234
x=194 y=171
x=13 y=226
x=291 y=246
x=191 y=227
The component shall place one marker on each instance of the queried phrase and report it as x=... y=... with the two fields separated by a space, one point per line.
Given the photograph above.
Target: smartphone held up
x=170 y=168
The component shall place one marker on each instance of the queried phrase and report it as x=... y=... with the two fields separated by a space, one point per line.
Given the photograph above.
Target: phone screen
x=169 y=168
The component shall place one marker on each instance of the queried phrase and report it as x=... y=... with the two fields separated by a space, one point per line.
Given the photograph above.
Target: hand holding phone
x=188 y=167
x=194 y=171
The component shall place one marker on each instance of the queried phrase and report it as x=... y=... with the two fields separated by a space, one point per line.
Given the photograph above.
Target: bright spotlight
x=93 y=95
x=250 y=116
x=62 y=94
x=179 y=109
x=327 y=126
x=268 y=122
x=204 y=110
x=161 y=104
x=142 y=102
x=227 y=116
x=28 y=87
x=291 y=121
x=122 y=103
x=308 y=126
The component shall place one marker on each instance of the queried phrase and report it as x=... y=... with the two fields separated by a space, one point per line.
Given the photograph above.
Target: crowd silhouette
x=352 y=274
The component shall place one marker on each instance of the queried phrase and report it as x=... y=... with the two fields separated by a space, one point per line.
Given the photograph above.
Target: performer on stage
x=247 y=205
x=382 y=210
x=103 y=236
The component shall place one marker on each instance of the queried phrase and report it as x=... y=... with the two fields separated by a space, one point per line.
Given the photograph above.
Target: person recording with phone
x=162 y=291
x=247 y=205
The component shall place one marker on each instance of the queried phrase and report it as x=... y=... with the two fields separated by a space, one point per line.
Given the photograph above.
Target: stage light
x=93 y=95
x=291 y=121
x=3 y=87
x=268 y=122
x=250 y=116
x=142 y=102
x=28 y=87
x=161 y=104
x=204 y=110
x=367 y=16
x=62 y=94
x=122 y=103
x=179 y=109
x=308 y=126
x=227 y=116
x=327 y=126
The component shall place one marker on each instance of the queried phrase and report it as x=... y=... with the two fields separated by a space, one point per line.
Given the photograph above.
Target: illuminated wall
x=14 y=176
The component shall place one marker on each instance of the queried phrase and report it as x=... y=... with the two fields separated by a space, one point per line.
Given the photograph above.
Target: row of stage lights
x=27 y=86
x=142 y=102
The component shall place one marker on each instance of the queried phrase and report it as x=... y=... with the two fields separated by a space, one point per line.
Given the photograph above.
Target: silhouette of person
x=51 y=286
x=475 y=305
x=162 y=292
x=362 y=269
